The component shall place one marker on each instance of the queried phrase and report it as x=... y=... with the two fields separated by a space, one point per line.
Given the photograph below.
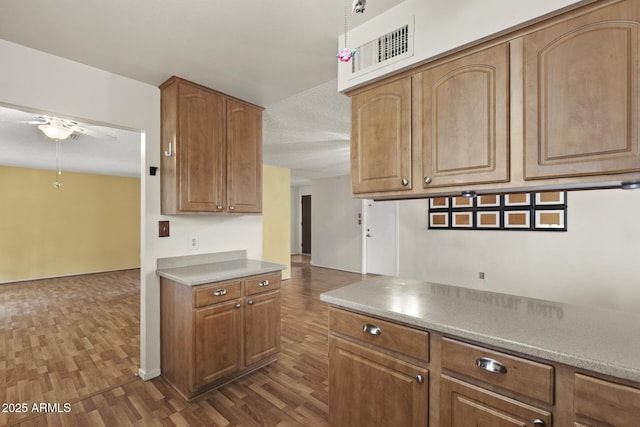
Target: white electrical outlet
x=194 y=242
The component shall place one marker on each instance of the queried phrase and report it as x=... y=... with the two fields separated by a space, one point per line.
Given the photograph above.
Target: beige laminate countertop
x=209 y=268
x=599 y=340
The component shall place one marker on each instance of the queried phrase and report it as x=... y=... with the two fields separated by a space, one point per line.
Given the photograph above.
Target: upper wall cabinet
x=465 y=105
x=244 y=157
x=211 y=159
x=581 y=94
x=381 y=138
x=552 y=105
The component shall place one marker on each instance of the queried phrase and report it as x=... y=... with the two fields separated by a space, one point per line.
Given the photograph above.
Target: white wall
x=336 y=236
x=49 y=84
x=594 y=263
x=442 y=25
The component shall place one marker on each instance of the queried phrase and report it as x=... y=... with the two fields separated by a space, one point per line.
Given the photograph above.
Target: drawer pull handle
x=263 y=283
x=250 y=302
x=419 y=379
x=371 y=329
x=491 y=365
x=220 y=292
x=238 y=305
x=538 y=423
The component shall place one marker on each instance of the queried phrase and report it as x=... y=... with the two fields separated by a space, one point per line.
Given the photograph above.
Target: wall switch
x=194 y=242
x=163 y=228
x=481 y=275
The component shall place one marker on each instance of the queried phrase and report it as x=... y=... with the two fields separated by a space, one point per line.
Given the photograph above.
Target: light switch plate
x=163 y=228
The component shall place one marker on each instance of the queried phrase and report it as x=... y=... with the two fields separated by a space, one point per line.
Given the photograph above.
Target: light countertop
x=599 y=340
x=209 y=268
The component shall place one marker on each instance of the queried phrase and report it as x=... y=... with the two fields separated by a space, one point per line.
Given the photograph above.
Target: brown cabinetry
x=581 y=94
x=467 y=405
x=381 y=138
x=377 y=372
x=464 y=404
x=382 y=373
x=213 y=333
x=465 y=119
x=598 y=402
x=211 y=159
x=550 y=105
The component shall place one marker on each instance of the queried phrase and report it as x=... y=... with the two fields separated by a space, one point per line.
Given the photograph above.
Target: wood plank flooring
x=75 y=340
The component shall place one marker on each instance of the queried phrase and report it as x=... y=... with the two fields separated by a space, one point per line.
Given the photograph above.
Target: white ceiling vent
x=383 y=50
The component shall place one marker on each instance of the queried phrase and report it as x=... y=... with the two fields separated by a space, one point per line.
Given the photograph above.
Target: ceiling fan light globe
x=54 y=131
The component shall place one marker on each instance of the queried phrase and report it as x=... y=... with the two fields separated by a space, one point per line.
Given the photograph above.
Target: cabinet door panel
x=607 y=402
x=200 y=150
x=262 y=327
x=244 y=157
x=465 y=405
x=465 y=119
x=381 y=138
x=368 y=388
x=581 y=95
x=218 y=342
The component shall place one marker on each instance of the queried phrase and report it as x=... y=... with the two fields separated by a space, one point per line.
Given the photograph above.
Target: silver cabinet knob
x=264 y=283
x=419 y=379
x=238 y=305
x=250 y=302
x=427 y=180
x=232 y=208
x=538 y=423
x=405 y=182
x=220 y=292
x=491 y=365
x=371 y=329
x=219 y=207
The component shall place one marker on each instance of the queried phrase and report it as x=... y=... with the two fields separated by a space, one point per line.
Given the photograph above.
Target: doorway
x=380 y=237
x=306 y=225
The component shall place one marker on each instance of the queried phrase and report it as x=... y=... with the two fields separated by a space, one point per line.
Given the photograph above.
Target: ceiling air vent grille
x=393 y=45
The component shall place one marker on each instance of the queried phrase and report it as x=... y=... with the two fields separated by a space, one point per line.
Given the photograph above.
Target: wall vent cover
x=383 y=50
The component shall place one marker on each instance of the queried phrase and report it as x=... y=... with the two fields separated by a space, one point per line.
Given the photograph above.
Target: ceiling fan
x=61 y=129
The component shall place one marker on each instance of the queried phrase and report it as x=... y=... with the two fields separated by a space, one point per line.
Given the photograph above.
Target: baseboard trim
x=146 y=376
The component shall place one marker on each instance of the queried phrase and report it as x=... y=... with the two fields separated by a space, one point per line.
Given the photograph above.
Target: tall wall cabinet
x=211 y=159
x=551 y=105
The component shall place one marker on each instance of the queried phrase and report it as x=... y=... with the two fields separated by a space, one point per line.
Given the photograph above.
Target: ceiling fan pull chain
x=57 y=183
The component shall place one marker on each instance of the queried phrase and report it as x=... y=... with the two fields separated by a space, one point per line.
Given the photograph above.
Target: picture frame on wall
x=538 y=211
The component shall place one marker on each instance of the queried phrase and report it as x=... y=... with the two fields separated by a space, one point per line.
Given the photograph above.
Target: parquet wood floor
x=75 y=340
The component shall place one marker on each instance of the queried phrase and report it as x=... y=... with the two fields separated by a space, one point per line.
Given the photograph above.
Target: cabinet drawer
x=522 y=376
x=218 y=292
x=388 y=335
x=264 y=283
x=605 y=401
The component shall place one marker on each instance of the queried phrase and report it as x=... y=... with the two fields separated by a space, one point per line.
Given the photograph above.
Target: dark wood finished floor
x=75 y=340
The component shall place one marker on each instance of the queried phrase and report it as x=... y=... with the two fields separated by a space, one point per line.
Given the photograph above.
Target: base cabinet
x=466 y=405
x=382 y=373
x=370 y=388
x=214 y=333
x=217 y=327
x=599 y=402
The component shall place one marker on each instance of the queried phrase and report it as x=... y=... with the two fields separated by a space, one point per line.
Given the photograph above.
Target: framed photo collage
x=544 y=211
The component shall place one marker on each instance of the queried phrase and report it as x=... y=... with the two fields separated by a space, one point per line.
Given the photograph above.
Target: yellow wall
x=276 y=217
x=90 y=224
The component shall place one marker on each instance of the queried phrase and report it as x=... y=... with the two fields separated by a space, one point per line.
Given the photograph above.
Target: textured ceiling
x=279 y=54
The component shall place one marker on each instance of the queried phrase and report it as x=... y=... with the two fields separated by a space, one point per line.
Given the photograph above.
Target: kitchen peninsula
x=451 y=354
x=220 y=318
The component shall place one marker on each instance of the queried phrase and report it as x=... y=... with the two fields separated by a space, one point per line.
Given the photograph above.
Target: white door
x=381 y=237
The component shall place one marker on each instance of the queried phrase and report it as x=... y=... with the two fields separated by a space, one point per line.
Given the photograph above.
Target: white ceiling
x=279 y=54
